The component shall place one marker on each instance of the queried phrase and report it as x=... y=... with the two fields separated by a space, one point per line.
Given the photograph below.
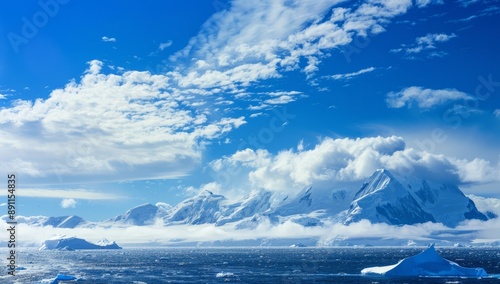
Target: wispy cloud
x=108 y=39
x=353 y=74
x=497 y=113
x=3 y=97
x=466 y=3
x=232 y=52
x=423 y=98
x=67 y=194
x=489 y=11
x=257 y=114
x=165 y=45
x=424 y=43
x=424 y=3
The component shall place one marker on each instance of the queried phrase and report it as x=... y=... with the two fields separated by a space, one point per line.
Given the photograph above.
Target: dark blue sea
x=237 y=265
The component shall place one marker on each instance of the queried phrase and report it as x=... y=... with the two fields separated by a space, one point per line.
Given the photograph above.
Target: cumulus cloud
x=108 y=39
x=478 y=171
x=338 y=162
x=329 y=161
x=423 y=98
x=353 y=74
x=68 y=203
x=108 y=127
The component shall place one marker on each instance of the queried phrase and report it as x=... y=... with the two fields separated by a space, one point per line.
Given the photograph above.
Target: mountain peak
x=383 y=198
x=377 y=181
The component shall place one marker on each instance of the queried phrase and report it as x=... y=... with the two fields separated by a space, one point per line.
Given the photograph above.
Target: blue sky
x=104 y=108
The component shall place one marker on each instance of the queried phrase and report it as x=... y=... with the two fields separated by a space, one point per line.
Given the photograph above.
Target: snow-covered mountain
x=385 y=199
x=313 y=199
x=382 y=198
x=256 y=203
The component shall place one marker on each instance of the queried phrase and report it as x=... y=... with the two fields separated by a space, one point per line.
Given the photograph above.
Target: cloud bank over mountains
x=340 y=161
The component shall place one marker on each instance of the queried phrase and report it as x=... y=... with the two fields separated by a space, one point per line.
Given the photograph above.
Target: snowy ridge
x=204 y=208
x=256 y=203
x=141 y=215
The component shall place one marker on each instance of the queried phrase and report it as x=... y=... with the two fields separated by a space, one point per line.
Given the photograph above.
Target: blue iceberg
x=63 y=277
x=426 y=263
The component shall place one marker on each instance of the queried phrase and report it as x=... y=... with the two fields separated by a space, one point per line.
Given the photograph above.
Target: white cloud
x=165 y=45
x=67 y=194
x=430 y=40
x=362 y=232
x=330 y=160
x=257 y=114
x=260 y=40
x=68 y=203
x=282 y=97
x=424 y=98
x=280 y=100
x=108 y=39
x=108 y=127
x=353 y=74
x=424 y=3
x=334 y=163
x=478 y=171
x=427 y=42
x=3 y=97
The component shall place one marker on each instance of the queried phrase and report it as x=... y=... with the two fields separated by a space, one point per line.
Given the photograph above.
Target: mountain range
x=382 y=198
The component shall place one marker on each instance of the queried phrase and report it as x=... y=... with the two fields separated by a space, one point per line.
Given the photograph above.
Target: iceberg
x=63 y=277
x=426 y=263
x=72 y=243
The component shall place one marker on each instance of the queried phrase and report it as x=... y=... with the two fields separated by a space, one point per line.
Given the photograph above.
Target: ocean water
x=236 y=265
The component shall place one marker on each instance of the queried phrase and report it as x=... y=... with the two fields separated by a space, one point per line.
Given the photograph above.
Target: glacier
x=426 y=263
